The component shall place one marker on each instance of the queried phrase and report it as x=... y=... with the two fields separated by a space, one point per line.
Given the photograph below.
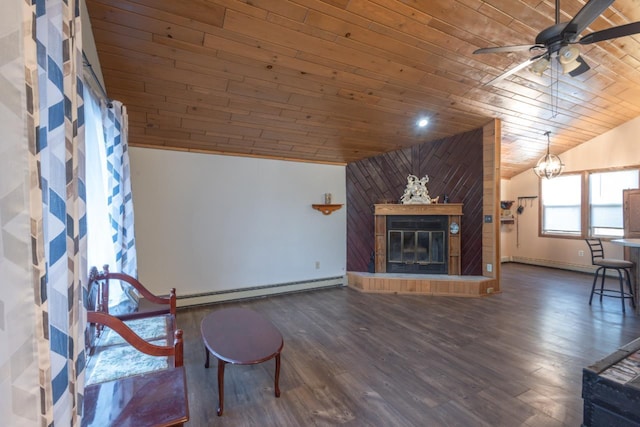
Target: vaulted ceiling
x=340 y=80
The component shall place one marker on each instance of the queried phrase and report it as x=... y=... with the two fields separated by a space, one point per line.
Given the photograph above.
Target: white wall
x=505 y=229
x=208 y=223
x=520 y=242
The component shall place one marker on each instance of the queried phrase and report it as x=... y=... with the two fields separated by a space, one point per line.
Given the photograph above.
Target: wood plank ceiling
x=340 y=80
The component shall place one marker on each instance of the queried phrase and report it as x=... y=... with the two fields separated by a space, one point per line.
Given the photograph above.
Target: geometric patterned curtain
x=119 y=199
x=59 y=221
x=19 y=366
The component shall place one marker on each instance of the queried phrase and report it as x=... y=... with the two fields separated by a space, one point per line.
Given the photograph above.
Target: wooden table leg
x=221 y=364
x=633 y=254
x=206 y=351
x=277 y=377
x=635 y=257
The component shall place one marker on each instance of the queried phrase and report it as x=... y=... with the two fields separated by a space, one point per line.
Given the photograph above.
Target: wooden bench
x=155 y=397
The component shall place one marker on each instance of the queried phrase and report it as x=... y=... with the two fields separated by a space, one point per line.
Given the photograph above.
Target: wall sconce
x=550 y=165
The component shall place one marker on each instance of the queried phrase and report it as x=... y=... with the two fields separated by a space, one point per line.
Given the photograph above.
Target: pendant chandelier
x=550 y=165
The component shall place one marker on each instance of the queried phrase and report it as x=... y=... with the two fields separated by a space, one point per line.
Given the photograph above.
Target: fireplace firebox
x=417 y=244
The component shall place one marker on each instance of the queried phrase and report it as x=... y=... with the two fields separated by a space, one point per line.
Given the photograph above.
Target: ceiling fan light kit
x=560 y=38
x=559 y=41
x=568 y=58
x=538 y=68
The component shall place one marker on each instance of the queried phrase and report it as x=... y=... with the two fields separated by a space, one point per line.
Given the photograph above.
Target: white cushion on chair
x=115 y=358
x=124 y=301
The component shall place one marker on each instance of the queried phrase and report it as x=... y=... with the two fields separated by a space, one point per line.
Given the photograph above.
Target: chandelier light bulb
x=549 y=166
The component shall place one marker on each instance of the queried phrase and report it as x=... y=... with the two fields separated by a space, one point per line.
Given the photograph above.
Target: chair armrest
x=103 y=277
x=169 y=300
x=176 y=350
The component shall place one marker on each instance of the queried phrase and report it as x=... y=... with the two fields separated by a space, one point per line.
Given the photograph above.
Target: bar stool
x=620 y=265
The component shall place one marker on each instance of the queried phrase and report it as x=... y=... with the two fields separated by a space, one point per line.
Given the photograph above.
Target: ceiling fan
x=559 y=40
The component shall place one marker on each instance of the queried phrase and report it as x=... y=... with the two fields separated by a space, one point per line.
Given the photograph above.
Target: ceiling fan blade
x=501 y=49
x=582 y=68
x=611 y=33
x=584 y=18
x=515 y=69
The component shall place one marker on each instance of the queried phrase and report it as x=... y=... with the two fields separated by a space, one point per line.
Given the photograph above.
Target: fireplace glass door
x=417 y=245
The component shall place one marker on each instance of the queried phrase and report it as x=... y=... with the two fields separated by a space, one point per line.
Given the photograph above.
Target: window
x=585 y=204
x=605 y=201
x=100 y=244
x=561 y=205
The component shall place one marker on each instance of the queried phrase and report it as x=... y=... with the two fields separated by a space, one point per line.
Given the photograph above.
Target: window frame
x=585 y=206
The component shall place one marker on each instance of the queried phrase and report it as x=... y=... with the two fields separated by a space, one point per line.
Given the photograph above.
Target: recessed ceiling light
x=423 y=122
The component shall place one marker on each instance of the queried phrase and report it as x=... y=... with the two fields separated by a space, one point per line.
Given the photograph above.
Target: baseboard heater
x=590 y=269
x=259 y=291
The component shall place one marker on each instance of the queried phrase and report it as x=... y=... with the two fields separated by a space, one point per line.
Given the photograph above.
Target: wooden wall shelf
x=326 y=209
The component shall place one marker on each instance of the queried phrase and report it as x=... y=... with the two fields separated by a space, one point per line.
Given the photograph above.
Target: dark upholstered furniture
x=611 y=389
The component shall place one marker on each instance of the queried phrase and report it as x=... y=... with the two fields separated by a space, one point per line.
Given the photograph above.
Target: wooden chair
x=173 y=349
x=98 y=300
x=148 y=305
x=622 y=267
x=155 y=398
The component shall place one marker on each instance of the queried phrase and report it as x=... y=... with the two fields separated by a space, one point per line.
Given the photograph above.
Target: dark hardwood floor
x=354 y=359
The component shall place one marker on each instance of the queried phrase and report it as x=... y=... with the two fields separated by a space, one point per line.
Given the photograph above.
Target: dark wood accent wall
x=454 y=167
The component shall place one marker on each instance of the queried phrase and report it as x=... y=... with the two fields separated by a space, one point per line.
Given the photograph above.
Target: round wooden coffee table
x=241 y=337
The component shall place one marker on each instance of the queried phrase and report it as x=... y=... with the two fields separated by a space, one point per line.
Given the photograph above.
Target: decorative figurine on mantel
x=416 y=192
